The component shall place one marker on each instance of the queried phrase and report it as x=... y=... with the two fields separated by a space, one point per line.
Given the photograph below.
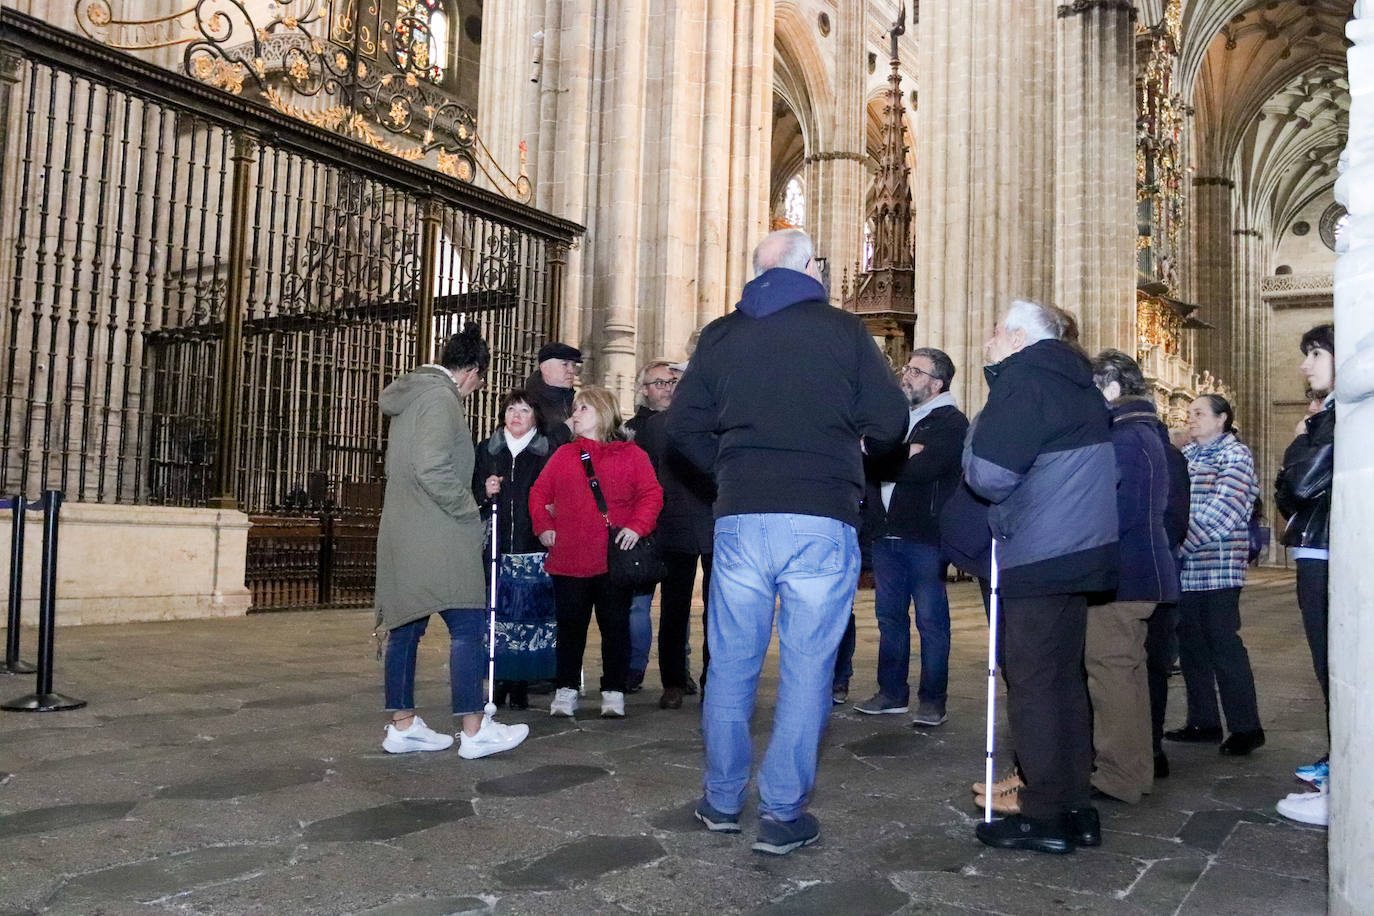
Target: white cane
x=992 y=689
x=490 y=708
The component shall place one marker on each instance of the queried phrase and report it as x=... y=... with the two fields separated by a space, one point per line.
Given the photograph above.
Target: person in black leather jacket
x=1303 y=494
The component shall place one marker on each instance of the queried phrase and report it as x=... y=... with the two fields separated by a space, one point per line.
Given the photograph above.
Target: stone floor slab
x=580 y=862
x=386 y=822
x=46 y=820
x=543 y=780
x=863 y=897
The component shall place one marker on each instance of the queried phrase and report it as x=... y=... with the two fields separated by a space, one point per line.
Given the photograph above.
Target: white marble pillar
x=1351 y=836
x=984 y=188
x=1094 y=184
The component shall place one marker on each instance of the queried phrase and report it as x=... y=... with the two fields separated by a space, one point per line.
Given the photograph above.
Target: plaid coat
x=1224 y=489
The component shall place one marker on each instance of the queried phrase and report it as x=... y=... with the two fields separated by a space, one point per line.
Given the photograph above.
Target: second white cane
x=490 y=708
x=992 y=688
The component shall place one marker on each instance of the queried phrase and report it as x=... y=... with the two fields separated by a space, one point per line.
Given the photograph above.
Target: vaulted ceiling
x=1271 y=99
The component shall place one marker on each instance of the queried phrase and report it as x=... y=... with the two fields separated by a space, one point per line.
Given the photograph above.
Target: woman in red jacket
x=564 y=514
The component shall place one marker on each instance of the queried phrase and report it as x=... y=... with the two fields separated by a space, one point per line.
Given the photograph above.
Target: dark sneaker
x=839 y=694
x=634 y=681
x=1193 y=735
x=778 y=838
x=880 y=704
x=716 y=821
x=929 y=715
x=1085 y=828
x=1242 y=743
x=1016 y=831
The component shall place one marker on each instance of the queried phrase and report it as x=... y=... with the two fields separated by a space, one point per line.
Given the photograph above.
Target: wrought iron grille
x=203 y=299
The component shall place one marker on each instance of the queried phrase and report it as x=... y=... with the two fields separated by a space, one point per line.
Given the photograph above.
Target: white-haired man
x=1041 y=454
x=776 y=400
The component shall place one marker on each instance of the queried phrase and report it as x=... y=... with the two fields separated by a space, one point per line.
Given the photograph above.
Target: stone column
x=571 y=74
x=837 y=171
x=712 y=251
x=1351 y=835
x=751 y=97
x=1248 y=335
x=505 y=95
x=1094 y=161
x=984 y=188
x=621 y=187
x=1213 y=239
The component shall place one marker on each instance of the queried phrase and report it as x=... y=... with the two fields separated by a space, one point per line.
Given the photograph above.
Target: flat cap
x=556 y=350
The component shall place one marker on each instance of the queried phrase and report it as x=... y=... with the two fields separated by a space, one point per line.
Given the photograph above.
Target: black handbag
x=639 y=567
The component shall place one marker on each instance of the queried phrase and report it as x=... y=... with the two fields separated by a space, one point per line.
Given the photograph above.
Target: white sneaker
x=491 y=738
x=612 y=704
x=1305 y=808
x=564 y=702
x=419 y=737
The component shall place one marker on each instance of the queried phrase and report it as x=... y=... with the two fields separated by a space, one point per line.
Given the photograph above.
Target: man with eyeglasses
x=656 y=383
x=685 y=529
x=907 y=489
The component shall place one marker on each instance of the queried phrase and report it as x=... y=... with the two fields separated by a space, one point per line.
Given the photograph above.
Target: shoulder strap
x=596 y=486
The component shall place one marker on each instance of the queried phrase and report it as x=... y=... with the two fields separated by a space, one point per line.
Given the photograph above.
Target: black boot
x=499 y=692
x=519 y=695
x=1085 y=828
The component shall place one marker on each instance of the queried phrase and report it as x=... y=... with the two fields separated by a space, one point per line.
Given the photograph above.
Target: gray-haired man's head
x=1024 y=323
x=790 y=249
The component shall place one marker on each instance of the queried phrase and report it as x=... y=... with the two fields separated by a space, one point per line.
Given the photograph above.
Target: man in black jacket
x=777 y=399
x=656 y=383
x=1041 y=455
x=551 y=387
x=906 y=491
x=1303 y=494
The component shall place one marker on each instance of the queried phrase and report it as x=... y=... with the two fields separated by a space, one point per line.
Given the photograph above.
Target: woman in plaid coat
x=1212 y=569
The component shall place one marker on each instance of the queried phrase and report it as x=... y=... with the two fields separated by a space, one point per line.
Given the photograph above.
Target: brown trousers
x=1114 y=657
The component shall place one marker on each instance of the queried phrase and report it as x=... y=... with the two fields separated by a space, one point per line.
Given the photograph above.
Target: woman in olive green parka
x=429 y=550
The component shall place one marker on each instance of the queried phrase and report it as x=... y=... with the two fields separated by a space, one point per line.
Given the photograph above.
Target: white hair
x=1038 y=322
x=789 y=248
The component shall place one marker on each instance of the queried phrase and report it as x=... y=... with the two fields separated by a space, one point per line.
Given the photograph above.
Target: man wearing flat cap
x=551 y=387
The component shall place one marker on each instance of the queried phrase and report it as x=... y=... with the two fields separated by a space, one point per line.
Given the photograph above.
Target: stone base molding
x=117 y=564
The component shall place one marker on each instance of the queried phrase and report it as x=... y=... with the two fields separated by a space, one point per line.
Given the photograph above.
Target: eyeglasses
x=661 y=383
x=915 y=371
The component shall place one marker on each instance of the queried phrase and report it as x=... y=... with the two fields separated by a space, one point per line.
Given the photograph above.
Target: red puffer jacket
x=633 y=499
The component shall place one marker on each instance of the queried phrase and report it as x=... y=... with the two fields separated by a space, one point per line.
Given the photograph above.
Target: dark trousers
x=675 y=613
x=1159 y=661
x=574 y=599
x=844 y=658
x=1314 y=603
x=1214 y=660
x=1042 y=641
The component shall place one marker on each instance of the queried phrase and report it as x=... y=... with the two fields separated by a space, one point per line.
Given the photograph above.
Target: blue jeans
x=467 y=634
x=641 y=631
x=812 y=564
x=904 y=572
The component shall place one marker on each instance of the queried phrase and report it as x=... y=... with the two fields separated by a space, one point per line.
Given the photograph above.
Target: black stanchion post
x=43 y=699
x=13 y=663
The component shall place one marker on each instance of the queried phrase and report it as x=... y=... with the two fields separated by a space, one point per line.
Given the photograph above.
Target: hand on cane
x=493 y=484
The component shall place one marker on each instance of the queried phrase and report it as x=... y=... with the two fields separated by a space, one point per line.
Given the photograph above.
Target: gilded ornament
x=362 y=70
x=341 y=61
x=428 y=137
x=398 y=113
x=299 y=69
x=98 y=14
